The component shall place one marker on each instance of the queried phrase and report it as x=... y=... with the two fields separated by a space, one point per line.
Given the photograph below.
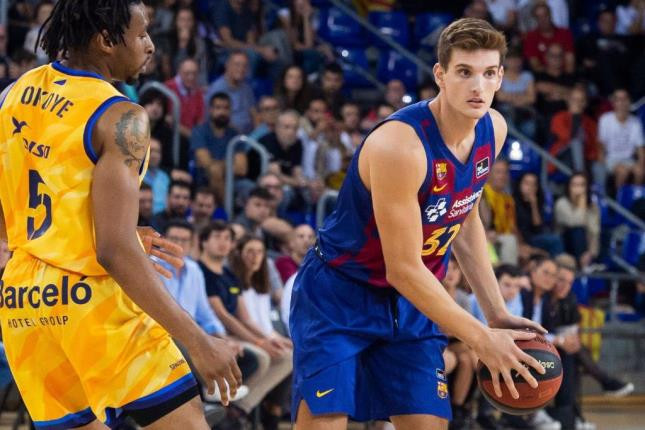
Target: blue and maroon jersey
x=349 y=239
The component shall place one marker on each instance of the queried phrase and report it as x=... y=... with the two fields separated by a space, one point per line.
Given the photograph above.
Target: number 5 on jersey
x=433 y=245
x=37 y=199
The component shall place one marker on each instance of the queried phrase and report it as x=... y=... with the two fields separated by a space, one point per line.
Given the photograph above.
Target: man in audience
x=190 y=95
x=300 y=240
x=285 y=149
x=233 y=82
x=621 y=135
x=552 y=84
x=268 y=111
x=331 y=84
x=257 y=219
x=177 y=206
x=145 y=205
x=537 y=42
x=158 y=180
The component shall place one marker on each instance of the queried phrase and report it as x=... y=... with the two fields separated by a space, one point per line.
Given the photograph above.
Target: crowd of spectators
x=256 y=68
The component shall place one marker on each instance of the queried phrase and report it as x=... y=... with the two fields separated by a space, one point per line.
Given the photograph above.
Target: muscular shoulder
x=500 y=128
x=124 y=127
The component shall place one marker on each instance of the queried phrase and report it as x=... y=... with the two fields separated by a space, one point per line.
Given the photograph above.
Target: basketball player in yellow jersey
x=86 y=321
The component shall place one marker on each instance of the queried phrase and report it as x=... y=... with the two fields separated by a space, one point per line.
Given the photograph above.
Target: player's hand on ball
x=156 y=245
x=215 y=361
x=500 y=354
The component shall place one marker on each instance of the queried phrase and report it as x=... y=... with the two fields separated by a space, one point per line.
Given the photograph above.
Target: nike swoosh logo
x=438 y=189
x=320 y=394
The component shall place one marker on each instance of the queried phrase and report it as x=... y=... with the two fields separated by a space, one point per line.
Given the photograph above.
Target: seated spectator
x=155 y=104
x=333 y=155
x=552 y=85
x=477 y=9
x=285 y=199
x=188 y=288
x=503 y=13
x=575 y=137
x=331 y=85
x=300 y=241
x=428 y=89
x=209 y=142
x=249 y=264
x=297 y=20
x=21 y=62
x=237 y=29
x=191 y=98
x=394 y=94
x=604 y=55
x=224 y=289
x=181 y=175
x=158 y=180
x=257 y=220
x=631 y=18
x=621 y=135
x=145 y=205
x=233 y=82
x=203 y=210
x=516 y=96
x=41 y=12
x=268 y=111
x=577 y=218
x=183 y=42
x=292 y=90
x=285 y=150
x=177 y=205
x=351 y=133
x=538 y=41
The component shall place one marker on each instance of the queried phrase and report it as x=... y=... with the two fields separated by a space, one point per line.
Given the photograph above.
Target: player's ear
x=438 y=72
x=103 y=42
x=501 y=78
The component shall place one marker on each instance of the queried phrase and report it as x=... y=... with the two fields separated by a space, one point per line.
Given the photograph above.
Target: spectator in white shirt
x=621 y=135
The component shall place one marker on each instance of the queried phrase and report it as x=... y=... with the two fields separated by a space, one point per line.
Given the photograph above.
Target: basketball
x=531 y=399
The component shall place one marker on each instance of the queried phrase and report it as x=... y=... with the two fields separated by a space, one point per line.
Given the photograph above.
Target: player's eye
x=490 y=73
x=464 y=72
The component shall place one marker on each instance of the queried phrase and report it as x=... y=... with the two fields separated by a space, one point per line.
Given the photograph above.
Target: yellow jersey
x=47 y=163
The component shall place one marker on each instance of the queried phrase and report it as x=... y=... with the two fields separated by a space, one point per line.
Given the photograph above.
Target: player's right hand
x=215 y=361
x=500 y=354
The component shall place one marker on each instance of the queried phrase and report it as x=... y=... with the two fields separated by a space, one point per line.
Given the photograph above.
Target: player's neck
x=454 y=126
x=77 y=61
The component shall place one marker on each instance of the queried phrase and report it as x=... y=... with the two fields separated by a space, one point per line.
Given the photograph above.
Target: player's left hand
x=507 y=320
x=156 y=245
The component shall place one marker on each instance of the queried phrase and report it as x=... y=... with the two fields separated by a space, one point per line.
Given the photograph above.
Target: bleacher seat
x=392 y=24
x=426 y=24
x=521 y=158
x=632 y=246
x=392 y=65
x=338 y=28
x=351 y=59
x=626 y=197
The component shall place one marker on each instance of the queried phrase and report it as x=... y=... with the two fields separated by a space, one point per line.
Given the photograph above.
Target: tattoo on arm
x=131 y=139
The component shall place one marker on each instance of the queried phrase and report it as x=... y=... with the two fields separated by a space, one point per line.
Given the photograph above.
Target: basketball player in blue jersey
x=367 y=308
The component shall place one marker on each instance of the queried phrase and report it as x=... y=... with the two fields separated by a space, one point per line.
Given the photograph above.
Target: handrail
x=320 y=206
x=230 y=153
x=386 y=39
x=176 y=113
x=613 y=204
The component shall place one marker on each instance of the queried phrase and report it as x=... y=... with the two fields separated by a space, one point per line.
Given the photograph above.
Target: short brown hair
x=470 y=34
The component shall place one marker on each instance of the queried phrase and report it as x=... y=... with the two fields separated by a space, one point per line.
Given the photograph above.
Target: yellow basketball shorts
x=80 y=349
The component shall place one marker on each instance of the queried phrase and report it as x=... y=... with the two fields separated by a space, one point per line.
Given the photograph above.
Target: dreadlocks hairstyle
x=72 y=24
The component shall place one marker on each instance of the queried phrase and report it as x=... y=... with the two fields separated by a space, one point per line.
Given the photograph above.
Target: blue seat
x=338 y=28
x=628 y=194
x=632 y=247
x=262 y=87
x=521 y=158
x=392 y=24
x=392 y=65
x=426 y=24
x=351 y=59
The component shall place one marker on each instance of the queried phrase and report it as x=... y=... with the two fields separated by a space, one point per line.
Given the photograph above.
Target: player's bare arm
x=121 y=141
x=394 y=174
x=470 y=248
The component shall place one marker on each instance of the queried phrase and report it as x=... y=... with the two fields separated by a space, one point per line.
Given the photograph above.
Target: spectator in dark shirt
x=301 y=239
x=529 y=211
x=236 y=24
x=538 y=41
x=209 y=142
x=554 y=84
x=268 y=111
x=145 y=205
x=604 y=56
x=257 y=219
x=191 y=98
x=331 y=84
x=233 y=82
x=177 y=206
x=285 y=149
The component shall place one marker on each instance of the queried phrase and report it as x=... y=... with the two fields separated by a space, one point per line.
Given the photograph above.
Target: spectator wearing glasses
x=268 y=111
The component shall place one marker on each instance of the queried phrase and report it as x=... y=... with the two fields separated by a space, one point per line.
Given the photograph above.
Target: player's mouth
x=476 y=102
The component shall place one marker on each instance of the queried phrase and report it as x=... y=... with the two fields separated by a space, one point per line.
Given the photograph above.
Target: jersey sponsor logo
x=50 y=295
x=463 y=206
x=482 y=167
x=36 y=149
x=18 y=125
x=441 y=374
x=433 y=212
x=320 y=394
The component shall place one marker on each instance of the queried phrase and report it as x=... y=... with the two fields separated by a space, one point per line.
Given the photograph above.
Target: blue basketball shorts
x=362 y=351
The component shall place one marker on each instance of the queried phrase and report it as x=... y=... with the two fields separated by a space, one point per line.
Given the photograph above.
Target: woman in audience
x=249 y=264
x=577 y=218
x=292 y=90
x=530 y=214
x=181 y=43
